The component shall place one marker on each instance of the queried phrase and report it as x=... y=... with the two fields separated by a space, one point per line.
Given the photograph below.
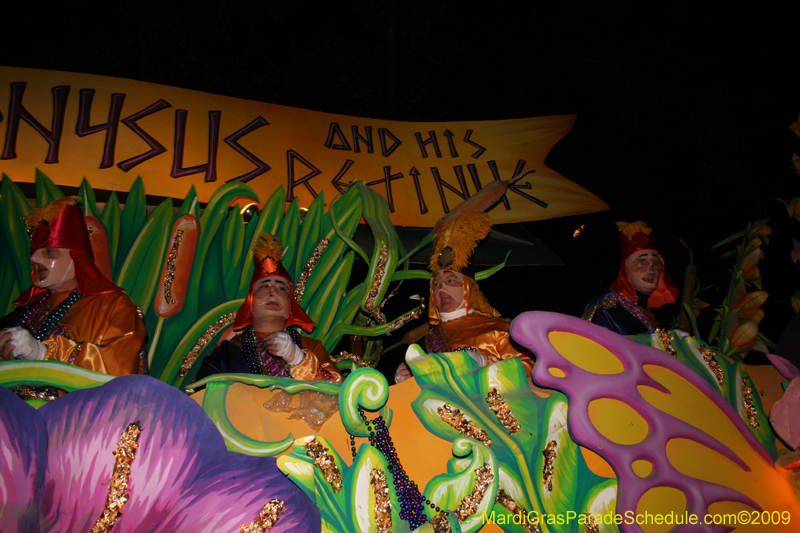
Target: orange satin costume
x=105 y=335
x=488 y=335
x=104 y=330
x=315 y=364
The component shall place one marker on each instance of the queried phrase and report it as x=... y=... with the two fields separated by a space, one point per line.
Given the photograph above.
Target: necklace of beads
x=412 y=502
x=253 y=354
x=53 y=317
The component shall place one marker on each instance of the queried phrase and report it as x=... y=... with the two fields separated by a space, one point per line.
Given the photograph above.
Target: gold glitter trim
x=550 y=455
x=666 y=338
x=747 y=397
x=469 y=505
x=266 y=519
x=383 y=506
x=375 y=287
x=325 y=463
x=36 y=392
x=416 y=313
x=169 y=275
x=590 y=526
x=459 y=421
x=300 y=286
x=212 y=330
x=498 y=404
x=440 y=523
x=347 y=356
x=118 y=484
x=713 y=365
x=515 y=509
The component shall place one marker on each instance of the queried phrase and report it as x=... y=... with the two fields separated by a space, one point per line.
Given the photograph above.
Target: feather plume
x=462 y=235
x=629 y=229
x=268 y=245
x=49 y=212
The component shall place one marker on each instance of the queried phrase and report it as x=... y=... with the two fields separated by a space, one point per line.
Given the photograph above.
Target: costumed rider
x=72 y=313
x=460 y=317
x=641 y=285
x=263 y=343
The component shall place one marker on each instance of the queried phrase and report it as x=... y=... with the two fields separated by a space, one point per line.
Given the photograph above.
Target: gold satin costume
x=105 y=333
x=488 y=335
x=315 y=364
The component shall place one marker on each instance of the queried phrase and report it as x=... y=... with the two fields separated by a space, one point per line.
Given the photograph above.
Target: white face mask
x=52 y=267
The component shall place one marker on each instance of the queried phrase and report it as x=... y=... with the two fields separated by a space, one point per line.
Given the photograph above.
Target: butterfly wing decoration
x=677 y=445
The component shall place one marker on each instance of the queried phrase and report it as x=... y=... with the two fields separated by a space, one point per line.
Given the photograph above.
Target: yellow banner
x=111 y=130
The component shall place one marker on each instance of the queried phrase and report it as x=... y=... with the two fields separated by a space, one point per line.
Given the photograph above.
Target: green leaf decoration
x=601 y=501
x=133 y=217
x=112 y=221
x=457 y=380
x=309 y=232
x=489 y=272
x=50 y=374
x=348 y=212
x=449 y=490
x=323 y=305
x=214 y=404
x=167 y=363
x=141 y=271
x=189 y=204
x=366 y=388
x=46 y=190
x=14 y=206
x=231 y=256
x=287 y=234
x=214 y=215
x=86 y=194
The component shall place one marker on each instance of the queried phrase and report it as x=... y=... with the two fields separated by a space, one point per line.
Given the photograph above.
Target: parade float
x=654 y=433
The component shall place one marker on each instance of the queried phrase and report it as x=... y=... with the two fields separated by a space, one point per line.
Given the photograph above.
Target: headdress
x=60 y=224
x=452 y=250
x=454 y=246
x=634 y=237
x=267 y=255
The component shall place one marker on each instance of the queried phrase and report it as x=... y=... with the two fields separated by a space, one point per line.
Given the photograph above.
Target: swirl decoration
x=366 y=388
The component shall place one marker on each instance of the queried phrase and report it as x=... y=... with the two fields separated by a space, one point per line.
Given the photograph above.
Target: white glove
x=281 y=345
x=25 y=346
x=402 y=373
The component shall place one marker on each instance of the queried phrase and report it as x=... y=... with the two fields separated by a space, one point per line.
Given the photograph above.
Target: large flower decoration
x=141 y=456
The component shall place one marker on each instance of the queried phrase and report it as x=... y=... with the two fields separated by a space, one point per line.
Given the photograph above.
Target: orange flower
x=752 y=300
x=795 y=303
x=750 y=261
x=793 y=207
x=762 y=228
x=744 y=334
x=751 y=313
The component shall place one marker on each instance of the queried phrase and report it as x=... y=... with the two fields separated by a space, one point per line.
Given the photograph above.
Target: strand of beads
x=26 y=312
x=56 y=315
x=252 y=353
x=412 y=503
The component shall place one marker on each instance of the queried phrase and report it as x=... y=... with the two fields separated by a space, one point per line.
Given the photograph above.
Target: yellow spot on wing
x=617 y=421
x=585 y=353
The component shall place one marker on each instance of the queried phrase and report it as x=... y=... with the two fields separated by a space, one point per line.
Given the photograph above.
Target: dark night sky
x=682 y=111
